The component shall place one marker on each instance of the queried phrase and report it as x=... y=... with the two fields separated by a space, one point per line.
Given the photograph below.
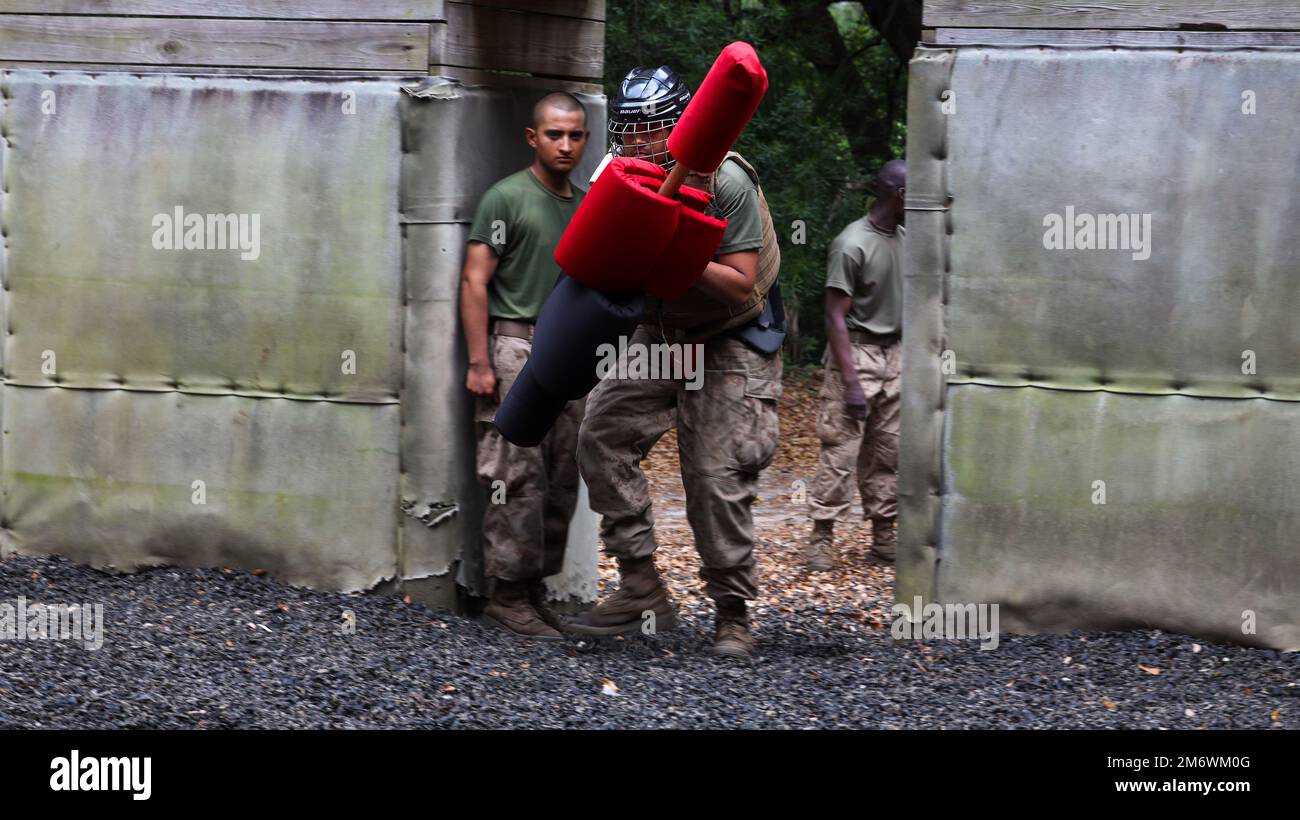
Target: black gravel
x=179 y=651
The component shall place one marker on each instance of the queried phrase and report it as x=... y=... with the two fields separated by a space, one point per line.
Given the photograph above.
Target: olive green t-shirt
x=866 y=263
x=736 y=196
x=522 y=220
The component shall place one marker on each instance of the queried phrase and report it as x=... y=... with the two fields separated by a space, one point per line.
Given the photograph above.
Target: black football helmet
x=649 y=99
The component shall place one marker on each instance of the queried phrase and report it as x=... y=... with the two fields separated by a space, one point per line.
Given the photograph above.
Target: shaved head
x=889 y=210
x=892 y=176
x=557 y=136
x=561 y=101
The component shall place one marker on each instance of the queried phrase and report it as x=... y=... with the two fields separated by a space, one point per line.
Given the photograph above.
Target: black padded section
x=528 y=412
x=575 y=321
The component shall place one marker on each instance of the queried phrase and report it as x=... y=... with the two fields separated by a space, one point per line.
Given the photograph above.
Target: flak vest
x=696 y=316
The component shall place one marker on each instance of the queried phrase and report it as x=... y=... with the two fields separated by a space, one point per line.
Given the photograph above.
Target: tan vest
x=696 y=316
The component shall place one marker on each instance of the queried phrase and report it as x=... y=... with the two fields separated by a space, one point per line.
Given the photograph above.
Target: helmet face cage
x=656 y=152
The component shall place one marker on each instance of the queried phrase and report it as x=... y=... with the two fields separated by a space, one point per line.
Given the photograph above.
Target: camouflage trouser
x=726 y=434
x=524 y=537
x=870 y=444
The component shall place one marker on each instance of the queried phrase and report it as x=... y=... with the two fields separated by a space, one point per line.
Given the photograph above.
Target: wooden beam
x=191 y=42
x=587 y=9
x=543 y=44
x=229 y=71
x=477 y=76
x=1117 y=38
x=1136 y=14
x=394 y=10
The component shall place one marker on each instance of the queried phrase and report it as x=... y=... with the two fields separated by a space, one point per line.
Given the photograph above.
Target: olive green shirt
x=866 y=263
x=522 y=221
x=736 y=196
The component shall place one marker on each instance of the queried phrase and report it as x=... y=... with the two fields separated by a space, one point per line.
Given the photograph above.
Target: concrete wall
x=1104 y=438
x=299 y=409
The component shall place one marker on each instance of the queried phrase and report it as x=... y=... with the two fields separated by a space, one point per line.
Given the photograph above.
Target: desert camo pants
x=726 y=434
x=531 y=491
x=867 y=447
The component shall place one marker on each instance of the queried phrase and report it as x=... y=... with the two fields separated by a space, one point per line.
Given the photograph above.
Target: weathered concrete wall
x=1167 y=377
x=194 y=406
x=133 y=372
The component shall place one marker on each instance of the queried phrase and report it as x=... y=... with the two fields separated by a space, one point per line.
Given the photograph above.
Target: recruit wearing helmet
x=647 y=106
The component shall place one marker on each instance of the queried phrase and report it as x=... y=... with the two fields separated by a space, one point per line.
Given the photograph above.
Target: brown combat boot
x=510 y=609
x=537 y=597
x=639 y=591
x=732 y=638
x=819 y=555
x=884 y=539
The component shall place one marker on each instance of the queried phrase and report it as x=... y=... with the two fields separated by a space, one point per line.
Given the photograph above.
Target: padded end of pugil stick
x=694 y=244
x=575 y=321
x=528 y=412
x=720 y=110
x=620 y=229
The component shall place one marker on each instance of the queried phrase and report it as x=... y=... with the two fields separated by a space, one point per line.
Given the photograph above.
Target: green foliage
x=797 y=141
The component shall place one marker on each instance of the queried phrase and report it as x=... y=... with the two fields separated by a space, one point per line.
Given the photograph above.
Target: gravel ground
x=207 y=648
x=212 y=648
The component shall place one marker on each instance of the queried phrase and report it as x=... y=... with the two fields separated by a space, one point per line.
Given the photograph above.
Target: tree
x=833 y=113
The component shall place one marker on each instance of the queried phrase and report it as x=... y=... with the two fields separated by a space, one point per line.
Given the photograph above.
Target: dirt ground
x=857 y=584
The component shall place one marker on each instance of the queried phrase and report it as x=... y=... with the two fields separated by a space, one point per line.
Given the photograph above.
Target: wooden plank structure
x=557 y=39
x=1125 y=24
x=1203 y=15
